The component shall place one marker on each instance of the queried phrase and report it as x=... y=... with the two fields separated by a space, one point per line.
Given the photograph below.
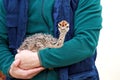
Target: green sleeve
x=6 y=58
x=86 y=34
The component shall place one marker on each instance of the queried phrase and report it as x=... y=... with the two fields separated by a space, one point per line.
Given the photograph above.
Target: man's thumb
x=16 y=62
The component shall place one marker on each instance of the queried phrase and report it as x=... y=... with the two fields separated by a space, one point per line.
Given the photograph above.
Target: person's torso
x=40 y=20
x=40 y=16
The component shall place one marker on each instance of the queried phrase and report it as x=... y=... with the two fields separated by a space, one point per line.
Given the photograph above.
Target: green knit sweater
x=87 y=26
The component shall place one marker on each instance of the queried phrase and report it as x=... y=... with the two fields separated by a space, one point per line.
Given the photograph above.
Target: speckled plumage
x=40 y=41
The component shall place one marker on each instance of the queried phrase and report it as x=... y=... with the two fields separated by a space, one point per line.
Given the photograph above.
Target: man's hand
x=28 y=59
x=16 y=72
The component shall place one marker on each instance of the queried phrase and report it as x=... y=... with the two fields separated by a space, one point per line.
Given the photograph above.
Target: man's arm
x=6 y=58
x=87 y=26
x=7 y=64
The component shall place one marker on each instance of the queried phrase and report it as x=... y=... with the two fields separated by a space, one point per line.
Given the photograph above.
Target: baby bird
x=40 y=41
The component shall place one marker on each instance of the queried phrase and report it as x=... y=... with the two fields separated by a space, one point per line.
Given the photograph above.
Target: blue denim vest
x=63 y=10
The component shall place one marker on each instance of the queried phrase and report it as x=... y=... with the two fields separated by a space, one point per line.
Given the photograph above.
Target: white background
x=108 y=59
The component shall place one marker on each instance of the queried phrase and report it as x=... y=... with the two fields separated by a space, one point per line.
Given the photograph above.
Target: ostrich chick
x=40 y=41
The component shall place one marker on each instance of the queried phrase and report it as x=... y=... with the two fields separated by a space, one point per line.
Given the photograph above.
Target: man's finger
x=32 y=75
x=15 y=63
x=31 y=71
